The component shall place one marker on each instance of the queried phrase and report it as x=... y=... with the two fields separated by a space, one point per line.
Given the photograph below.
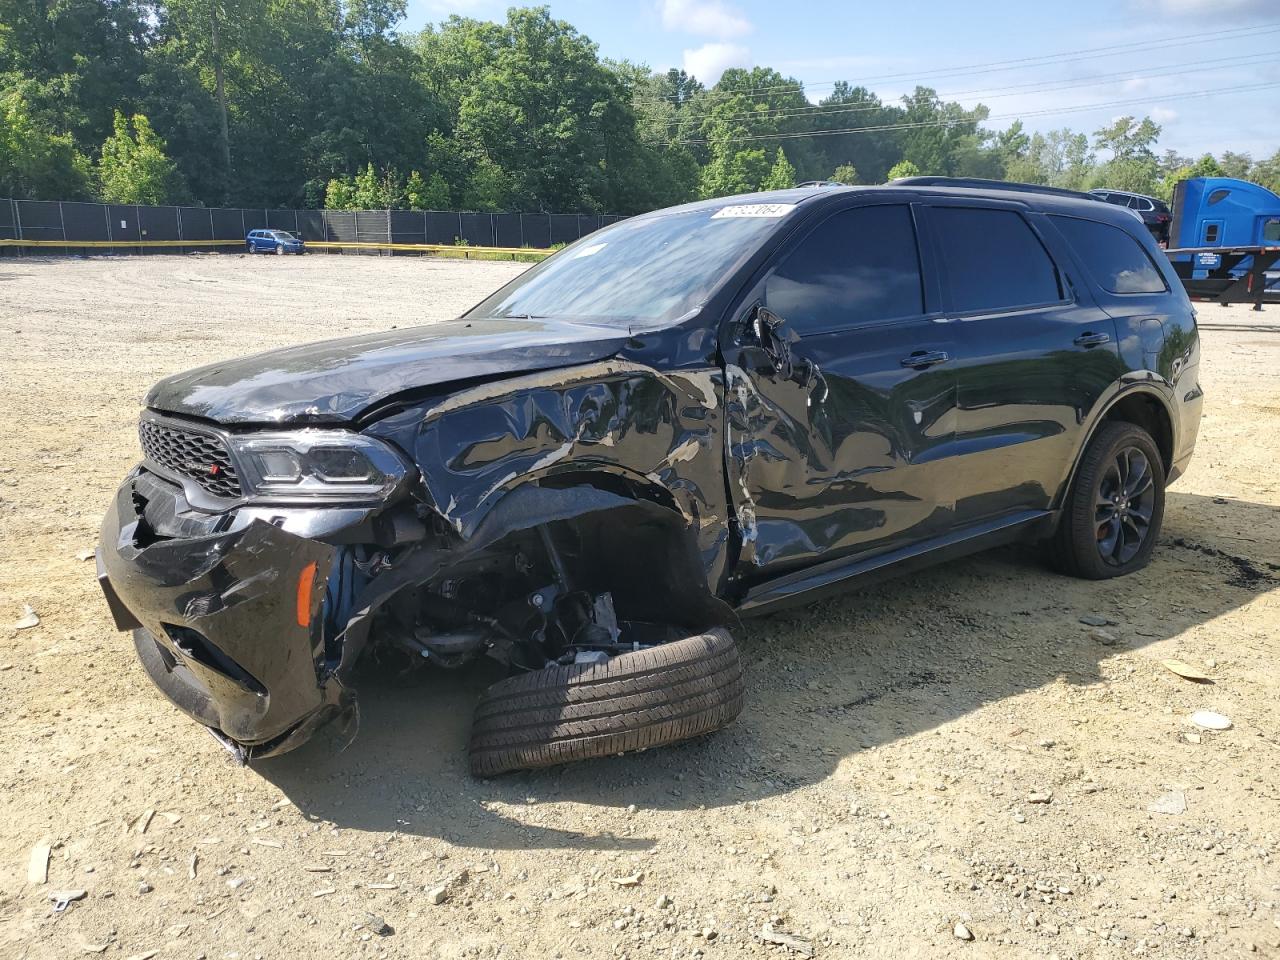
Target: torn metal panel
x=615 y=425
x=841 y=448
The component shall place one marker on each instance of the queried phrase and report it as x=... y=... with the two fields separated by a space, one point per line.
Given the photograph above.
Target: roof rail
x=822 y=183
x=979 y=183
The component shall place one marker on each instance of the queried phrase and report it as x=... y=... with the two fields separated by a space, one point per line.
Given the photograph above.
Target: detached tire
x=634 y=701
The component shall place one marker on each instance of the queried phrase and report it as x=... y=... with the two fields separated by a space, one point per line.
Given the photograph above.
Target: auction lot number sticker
x=753 y=210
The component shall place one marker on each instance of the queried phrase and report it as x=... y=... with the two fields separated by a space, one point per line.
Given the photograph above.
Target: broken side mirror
x=775 y=338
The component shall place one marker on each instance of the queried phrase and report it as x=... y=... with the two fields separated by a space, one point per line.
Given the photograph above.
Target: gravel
x=976 y=676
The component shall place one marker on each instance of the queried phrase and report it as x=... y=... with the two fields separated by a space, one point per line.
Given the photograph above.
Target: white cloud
x=1163 y=114
x=710 y=60
x=707 y=18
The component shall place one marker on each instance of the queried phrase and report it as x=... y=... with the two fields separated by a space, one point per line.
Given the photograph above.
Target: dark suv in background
x=704 y=412
x=1153 y=211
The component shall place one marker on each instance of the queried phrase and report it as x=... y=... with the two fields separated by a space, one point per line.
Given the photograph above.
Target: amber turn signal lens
x=306 y=582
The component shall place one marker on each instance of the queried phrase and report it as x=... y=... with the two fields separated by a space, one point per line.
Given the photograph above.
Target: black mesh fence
x=75 y=224
x=195 y=223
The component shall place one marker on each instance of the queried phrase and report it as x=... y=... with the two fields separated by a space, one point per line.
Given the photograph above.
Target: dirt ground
x=954 y=748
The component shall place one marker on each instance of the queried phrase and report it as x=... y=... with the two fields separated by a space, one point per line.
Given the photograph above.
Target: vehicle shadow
x=824 y=682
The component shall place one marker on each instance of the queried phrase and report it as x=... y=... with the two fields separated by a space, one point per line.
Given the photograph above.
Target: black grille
x=198 y=456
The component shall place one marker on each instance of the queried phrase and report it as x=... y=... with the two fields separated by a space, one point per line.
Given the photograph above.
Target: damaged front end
x=235 y=615
x=558 y=517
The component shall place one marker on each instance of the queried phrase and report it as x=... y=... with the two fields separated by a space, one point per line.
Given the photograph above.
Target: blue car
x=274 y=241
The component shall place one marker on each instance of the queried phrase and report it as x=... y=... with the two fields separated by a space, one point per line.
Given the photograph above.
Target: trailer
x=1229 y=275
x=1225 y=240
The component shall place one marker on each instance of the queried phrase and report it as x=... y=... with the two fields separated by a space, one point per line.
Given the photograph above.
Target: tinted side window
x=1114 y=259
x=857 y=266
x=994 y=260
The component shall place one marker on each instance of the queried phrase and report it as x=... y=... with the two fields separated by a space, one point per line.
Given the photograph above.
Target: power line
x=1111 y=104
x=988 y=93
x=1090 y=53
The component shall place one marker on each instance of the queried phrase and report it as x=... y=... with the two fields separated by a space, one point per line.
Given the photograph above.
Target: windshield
x=648 y=270
x=282 y=235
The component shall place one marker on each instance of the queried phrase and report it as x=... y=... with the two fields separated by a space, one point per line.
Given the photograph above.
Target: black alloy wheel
x=1111 y=515
x=1125 y=502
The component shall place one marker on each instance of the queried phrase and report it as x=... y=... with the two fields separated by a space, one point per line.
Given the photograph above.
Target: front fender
x=614 y=425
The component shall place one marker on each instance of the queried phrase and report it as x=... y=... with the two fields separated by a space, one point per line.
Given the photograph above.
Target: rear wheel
x=631 y=702
x=1112 y=516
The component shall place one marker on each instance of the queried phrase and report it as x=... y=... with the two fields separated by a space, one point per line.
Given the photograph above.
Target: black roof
x=1037 y=197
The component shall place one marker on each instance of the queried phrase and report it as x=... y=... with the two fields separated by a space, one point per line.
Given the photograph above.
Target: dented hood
x=335 y=380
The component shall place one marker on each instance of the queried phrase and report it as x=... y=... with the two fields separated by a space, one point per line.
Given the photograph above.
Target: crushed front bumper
x=229 y=625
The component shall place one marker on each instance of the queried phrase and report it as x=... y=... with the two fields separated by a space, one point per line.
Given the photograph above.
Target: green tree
x=134 y=168
x=1206 y=166
x=848 y=108
x=35 y=162
x=1235 y=164
x=546 y=113
x=1267 y=172
x=431 y=193
x=488 y=189
x=903 y=169
x=1133 y=165
x=781 y=176
x=340 y=194
x=77 y=60
x=733 y=171
x=376 y=191
x=943 y=132
x=845 y=173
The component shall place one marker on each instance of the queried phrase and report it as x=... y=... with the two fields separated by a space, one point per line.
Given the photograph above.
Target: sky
x=1175 y=54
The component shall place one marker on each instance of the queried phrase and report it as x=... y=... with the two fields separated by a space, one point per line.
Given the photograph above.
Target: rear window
x=1115 y=260
x=994 y=260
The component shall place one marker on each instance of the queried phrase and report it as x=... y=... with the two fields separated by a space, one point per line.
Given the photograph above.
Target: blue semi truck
x=1224 y=241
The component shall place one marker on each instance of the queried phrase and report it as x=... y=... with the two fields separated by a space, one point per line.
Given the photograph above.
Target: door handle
x=920 y=359
x=1092 y=339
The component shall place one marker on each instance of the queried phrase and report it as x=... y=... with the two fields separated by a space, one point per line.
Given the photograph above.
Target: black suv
x=704 y=412
x=1153 y=211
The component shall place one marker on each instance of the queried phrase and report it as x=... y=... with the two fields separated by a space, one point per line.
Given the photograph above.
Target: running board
x=831 y=576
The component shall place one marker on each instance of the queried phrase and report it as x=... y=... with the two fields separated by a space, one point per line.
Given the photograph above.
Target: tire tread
x=634 y=701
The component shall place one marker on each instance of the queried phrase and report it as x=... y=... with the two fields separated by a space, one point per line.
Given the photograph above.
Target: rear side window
x=857 y=266
x=994 y=260
x=1114 y=259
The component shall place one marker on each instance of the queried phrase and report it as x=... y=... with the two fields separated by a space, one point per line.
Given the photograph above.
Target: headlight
x=316 y=464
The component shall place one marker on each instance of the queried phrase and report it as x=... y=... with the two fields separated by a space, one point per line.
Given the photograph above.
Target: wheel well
x=1148 y=413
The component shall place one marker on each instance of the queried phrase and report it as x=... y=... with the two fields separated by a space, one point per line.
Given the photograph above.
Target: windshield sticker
x=753 y=210
x=590 y=251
